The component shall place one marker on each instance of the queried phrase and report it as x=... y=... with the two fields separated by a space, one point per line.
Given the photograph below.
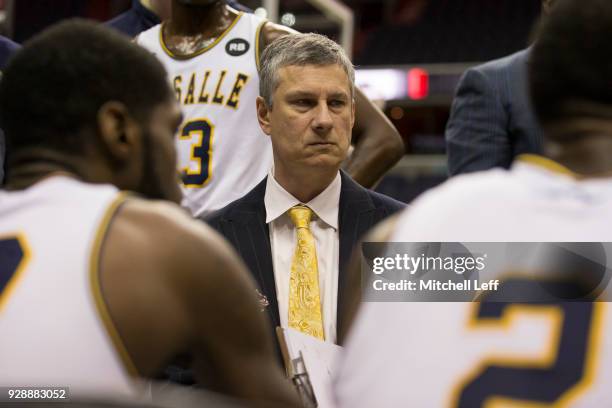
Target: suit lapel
x=250 y=233
x=356 y=215
x=252 y=236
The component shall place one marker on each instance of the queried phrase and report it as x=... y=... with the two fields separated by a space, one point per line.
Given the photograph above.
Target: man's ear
x=263 y=115
x=119 y=132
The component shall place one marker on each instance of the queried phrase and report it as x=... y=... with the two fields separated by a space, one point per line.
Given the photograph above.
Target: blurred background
x=409 y=55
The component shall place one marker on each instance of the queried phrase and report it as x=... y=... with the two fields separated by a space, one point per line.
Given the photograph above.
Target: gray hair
x=300 y=50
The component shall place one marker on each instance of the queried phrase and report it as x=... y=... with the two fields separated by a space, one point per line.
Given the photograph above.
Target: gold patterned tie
x=304 y=298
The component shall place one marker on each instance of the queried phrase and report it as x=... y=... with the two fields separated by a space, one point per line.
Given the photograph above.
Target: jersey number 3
x=197 y=171
x=13 y=257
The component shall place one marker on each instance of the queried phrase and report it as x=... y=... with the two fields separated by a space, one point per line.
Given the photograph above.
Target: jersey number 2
x=552 y=384
x=200 y=133
x=12 y=259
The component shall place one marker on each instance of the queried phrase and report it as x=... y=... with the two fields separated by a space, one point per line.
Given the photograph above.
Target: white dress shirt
x=324 y=227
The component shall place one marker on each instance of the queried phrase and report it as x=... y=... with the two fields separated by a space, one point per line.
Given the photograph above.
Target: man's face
x=311 y=118
x=159 y=169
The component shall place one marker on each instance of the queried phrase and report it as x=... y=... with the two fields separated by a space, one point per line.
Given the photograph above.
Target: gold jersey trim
x=199 y=52
x=546 y=163
x=257 y=42
x=594 y=344
x=94 y=275
x=546 y=360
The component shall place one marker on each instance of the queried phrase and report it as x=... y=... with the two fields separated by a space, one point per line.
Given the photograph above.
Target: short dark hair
x=571 y=62
x=53 y=88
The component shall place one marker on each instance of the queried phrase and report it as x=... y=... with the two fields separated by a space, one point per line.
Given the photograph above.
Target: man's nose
x=323 y=119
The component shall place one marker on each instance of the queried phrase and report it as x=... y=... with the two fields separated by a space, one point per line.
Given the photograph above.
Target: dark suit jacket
x=491 y=120
x=243 y=224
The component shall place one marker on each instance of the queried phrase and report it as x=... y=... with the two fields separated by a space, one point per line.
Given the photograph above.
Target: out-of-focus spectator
x=491 y=119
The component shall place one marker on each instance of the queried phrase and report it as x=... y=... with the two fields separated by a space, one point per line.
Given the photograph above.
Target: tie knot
x=300 y=215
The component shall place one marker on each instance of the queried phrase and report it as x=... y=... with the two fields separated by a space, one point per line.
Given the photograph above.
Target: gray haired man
x=296 y=229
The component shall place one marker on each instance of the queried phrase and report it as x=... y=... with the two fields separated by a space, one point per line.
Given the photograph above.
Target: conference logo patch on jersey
x=237 y=47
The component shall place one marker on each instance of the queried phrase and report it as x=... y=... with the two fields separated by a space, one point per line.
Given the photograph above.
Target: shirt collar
x=277 y=201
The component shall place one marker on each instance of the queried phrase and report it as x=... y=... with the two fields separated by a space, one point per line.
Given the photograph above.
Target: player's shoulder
x=454 y=208
x=148 y=37
x=496 y=74
x=272 y=31
x=162 y=229
x=157 y=247
x=385 y=202
x=503 y=63
x=495 y=69
x=466 y=192
x=248 y=15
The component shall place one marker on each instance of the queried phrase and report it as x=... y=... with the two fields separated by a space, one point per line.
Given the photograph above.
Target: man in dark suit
x=297 y=228
x=491 y=120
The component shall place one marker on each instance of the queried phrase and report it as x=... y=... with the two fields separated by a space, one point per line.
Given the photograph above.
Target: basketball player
x=211 y=52
x=97 y=287
x=510 y=354
x=145 y=14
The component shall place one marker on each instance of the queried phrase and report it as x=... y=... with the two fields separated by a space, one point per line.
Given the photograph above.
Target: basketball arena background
x=409 y=55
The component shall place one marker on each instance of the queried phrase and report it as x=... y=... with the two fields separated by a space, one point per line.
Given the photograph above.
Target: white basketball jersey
x=52 y=316
x=455 y=354
x=220 y=146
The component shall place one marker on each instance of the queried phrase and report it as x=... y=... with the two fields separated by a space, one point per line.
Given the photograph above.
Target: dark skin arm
x=173 y=286
x=378 y=145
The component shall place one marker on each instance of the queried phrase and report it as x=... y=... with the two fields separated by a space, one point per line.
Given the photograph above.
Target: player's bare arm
x=173 y=286
x=378 y=144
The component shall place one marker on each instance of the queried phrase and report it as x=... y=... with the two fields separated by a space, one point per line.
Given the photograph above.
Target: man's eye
x=337 y=103
x=302 y=102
